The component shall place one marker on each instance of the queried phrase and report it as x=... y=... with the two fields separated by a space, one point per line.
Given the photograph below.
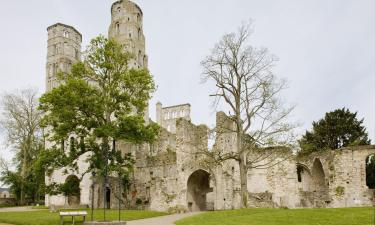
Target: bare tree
x=21 y=120
x=251 y=92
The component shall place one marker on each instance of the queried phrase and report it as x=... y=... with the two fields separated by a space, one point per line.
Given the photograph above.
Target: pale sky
x=326 y=48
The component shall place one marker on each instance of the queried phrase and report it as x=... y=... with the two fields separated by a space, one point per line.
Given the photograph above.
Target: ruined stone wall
x=167 y=117
x=347 y=177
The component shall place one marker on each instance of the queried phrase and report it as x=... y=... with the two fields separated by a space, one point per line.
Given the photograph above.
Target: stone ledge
x=104 y=223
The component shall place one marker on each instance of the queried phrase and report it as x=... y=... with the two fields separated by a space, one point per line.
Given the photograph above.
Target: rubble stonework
x=170 y=174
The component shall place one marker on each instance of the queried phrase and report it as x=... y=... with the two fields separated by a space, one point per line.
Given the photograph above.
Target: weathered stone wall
x=173 y=174
x=64 y=49
x=167 y=117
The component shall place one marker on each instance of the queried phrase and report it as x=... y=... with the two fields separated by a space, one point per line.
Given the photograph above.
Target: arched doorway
x=320 y=187
x=318 y=176
x=72 y=190
x=370 y=171
x=198 y=186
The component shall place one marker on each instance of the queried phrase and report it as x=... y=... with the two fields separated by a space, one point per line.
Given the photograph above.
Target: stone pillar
x=159 y=113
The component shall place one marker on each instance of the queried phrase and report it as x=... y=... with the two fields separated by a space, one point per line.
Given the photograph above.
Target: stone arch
x=370 y=171
x=304 y=177
x=73 y=191
x=198 y=185
x=318 y=176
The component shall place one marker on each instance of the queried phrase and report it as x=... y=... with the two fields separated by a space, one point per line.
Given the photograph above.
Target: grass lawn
x=47 y=218
x=343 y=216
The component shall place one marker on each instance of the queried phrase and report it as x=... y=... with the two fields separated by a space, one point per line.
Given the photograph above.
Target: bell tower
x=127 y=29
x=63 y=50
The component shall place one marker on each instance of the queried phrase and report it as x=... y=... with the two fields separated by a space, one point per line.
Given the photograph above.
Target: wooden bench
x=73 y=215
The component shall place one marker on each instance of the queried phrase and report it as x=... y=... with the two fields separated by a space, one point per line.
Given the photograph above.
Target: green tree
x=339 y=128
x=20 y=119
x=99 y=102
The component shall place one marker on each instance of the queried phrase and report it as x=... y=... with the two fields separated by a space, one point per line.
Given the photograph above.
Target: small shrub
x=177 y=209
x=340 y=191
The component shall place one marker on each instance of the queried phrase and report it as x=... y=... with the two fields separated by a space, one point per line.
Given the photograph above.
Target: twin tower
x=64 y=41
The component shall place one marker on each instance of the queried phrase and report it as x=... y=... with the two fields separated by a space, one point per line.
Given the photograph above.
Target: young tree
x=339 y=128
x=250 y=91
x=100 y=102
x=21 y=121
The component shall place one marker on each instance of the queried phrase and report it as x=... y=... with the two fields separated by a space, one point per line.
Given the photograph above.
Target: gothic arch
x=304 y=177
x=198 y=185
x=318 y=176
x=73 y=190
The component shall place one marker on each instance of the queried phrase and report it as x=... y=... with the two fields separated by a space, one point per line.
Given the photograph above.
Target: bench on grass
x=73 y=215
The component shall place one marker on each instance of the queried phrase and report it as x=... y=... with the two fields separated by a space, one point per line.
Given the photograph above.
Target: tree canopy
x=20 y=120
x=102 y=100
x=339 y=128
x=245 y=83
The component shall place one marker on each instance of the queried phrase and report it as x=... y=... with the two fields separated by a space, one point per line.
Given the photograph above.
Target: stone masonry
x=170 y=175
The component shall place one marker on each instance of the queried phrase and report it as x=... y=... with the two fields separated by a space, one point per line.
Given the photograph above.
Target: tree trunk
x=23 y=175
x=243 y=180
x=243 y=170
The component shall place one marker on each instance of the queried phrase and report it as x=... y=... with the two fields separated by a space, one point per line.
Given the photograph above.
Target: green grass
x=47 y=218
x=343 y=216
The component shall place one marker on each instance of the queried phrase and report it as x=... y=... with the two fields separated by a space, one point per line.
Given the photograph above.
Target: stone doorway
x=73 y=190
x=320 y=187
x=198 y=186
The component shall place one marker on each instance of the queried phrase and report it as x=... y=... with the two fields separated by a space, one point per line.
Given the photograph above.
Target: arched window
x=119 y=9
x=144 y=61
x=117 y=28
x=66 y=34
x=139 y=57
x=76 y=53
x=55 y=49
x=139 y=33
x=130 y=35
x=72 y=144
x=138 y=17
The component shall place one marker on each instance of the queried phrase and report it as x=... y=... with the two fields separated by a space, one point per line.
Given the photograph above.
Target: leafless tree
x=20 y=118
x=251 y=92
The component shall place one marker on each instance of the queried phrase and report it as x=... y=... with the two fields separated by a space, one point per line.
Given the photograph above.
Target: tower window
x=138 y=17
x=119 y=9
x=130 y=35
x=139 y=33
x=66 y=34
x=55 y=49
x=76 y=53
x=117 y=28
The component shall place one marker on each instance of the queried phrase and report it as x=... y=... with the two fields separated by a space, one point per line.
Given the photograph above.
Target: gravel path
x=161 y=220
x=18 y=209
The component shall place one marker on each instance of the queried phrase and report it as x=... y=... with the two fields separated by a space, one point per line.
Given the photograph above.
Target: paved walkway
x=161 y=220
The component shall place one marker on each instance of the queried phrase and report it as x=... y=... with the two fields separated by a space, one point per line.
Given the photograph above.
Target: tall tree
x=99 y=102
x=21 y=121
x=339 y=128
x=251 y=93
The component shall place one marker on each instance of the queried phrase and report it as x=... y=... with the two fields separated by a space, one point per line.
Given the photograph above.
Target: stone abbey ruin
x=170 y=174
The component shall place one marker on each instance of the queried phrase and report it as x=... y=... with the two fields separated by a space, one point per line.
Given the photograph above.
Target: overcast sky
x=326 y=48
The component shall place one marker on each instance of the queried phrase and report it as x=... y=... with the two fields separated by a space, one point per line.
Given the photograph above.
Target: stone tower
x=126 y=28
x=64 y=49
